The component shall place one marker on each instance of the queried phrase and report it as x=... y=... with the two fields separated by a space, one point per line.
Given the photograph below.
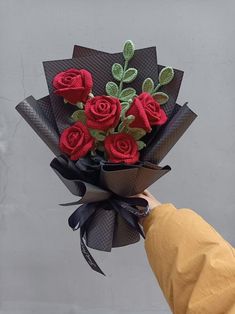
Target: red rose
x=141 y=119
x=76 y=141
x=102 y=112
x=121 y=147
x=74 y=85
x=147 y=112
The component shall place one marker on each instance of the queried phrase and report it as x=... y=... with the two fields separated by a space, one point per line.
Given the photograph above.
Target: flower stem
x=124 y=125
x=123 y=128
x=121 y=82
x=156 y=88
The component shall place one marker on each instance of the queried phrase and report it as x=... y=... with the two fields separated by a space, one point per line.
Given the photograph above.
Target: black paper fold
x=169 y=134
x=127 y=182
x=44 y=125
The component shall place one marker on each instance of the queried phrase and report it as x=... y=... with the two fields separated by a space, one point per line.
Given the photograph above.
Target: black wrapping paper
x=108 y=225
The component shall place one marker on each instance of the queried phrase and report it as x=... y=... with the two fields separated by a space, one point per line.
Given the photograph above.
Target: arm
x=194 y=265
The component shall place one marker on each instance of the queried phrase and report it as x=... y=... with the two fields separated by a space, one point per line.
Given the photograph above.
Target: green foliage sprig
x=165 y=77
x=123 y=74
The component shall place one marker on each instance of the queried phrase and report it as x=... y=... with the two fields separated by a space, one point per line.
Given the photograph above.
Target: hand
x=152 y=201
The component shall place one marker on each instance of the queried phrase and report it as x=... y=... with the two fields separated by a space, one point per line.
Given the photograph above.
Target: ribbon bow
x=129 y=208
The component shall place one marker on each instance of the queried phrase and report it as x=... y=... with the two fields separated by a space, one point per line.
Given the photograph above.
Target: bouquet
x=110 y=118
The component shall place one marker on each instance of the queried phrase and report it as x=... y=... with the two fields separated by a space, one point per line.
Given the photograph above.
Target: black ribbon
x=86 y=171
x=129 y=208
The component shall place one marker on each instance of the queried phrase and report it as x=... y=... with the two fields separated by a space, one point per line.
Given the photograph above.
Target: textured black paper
x=123 y=182
x=127 y=182
x=49 y=116
x=40 y=117
x=169 y=135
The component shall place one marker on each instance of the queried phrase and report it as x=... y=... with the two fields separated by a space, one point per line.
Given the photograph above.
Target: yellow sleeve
x=194 y=265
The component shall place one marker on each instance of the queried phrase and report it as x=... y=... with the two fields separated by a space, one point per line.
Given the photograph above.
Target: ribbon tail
x=136 y=226
x=81 y=215
x=79 y=219
x=70 y=204
x=87 y=255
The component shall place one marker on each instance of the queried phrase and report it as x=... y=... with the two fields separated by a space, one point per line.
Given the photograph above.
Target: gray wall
x=41 y=267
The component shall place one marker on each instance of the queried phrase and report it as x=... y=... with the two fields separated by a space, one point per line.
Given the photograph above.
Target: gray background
x=41 y=267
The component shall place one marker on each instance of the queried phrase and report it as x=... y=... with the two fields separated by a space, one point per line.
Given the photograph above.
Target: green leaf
x=127 y=93
x=166 y=75
x=160 y=97
x=137 y=133
x=148 y=85
x=111 y=89
x=80 y=105
x=129 y=119
x=98 y=134
x=90 y=95
x=130 y=75
x=79 y=115
x=140 y=144
x=128 y=50
x=117 y=71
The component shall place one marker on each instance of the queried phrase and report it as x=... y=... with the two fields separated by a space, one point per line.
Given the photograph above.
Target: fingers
x=144 y=194
x=147 y=193
x=138 y=195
